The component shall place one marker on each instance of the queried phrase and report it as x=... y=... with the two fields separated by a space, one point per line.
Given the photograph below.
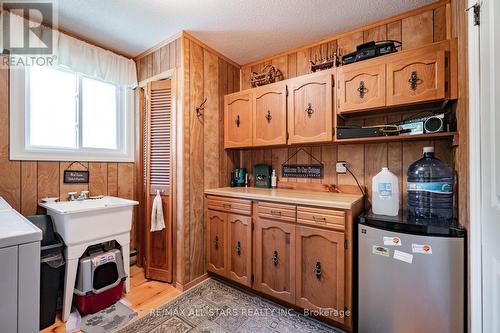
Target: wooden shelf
x=403 y=137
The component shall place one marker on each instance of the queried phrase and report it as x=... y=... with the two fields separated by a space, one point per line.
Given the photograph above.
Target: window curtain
x=80 y=56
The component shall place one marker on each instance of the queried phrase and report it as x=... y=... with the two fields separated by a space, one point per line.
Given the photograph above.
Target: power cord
x=356 y=179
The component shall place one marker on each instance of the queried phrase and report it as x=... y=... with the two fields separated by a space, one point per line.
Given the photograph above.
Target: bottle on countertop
x=385 y=193
x=273 y=179
x=430 y=189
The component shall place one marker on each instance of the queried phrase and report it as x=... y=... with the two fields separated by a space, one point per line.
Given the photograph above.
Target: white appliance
x=410 y=276
x=19 y=272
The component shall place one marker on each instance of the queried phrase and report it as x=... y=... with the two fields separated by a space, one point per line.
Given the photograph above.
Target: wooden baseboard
x=191 y=284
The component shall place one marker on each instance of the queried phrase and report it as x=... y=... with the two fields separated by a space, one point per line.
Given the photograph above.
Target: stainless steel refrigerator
x=410 y=276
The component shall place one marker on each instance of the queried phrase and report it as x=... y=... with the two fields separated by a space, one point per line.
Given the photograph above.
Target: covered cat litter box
x=99 y=282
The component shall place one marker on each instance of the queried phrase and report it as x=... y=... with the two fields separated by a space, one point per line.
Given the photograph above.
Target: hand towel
x=157 y=221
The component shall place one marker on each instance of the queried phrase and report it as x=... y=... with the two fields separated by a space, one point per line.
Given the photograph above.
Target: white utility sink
x=89 y=222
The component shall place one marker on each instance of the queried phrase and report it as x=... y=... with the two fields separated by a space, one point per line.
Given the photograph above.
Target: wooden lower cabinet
x=320 y=272
x=216 y=241
x=275 y=259
x=292 y=253
x=239 y=235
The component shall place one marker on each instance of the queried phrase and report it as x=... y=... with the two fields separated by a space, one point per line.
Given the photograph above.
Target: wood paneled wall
x=24 y=183
x=416 y=28
x=162 y=59
x=206 y=75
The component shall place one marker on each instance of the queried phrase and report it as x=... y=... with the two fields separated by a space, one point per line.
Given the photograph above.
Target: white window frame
x=20 y=117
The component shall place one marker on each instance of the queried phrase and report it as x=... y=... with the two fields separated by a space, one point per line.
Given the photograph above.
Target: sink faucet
x=84 y=195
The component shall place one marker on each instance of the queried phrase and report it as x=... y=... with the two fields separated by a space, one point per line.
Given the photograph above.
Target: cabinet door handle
x=319 y=219
x=309 y=110
x=238 y=248
x=216 y=242
x=362 y=89
x=238 y=122
x=268 y=116
x=414 y=80
x=317 y=270
x=276 y=213
x=275 y=258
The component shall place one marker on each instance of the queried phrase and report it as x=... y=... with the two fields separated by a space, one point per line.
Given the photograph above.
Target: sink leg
x=69 y=286
x=126 y=263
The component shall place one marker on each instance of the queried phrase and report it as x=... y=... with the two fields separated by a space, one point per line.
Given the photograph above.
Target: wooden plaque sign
x=76 y=177
x=302 y=170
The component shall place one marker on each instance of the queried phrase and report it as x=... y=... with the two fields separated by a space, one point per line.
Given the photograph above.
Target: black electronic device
x=370 y=50
x=350 y=132
x=435 y=123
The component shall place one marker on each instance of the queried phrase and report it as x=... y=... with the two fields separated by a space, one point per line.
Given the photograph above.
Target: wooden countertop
x=299 y=197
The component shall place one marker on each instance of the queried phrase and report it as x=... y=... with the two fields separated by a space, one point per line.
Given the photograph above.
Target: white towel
x=157 y=221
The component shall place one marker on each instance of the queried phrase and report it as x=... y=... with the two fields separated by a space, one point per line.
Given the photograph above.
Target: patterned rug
x=214 y=307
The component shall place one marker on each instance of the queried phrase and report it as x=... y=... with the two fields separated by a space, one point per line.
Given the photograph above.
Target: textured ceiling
x=243 y=30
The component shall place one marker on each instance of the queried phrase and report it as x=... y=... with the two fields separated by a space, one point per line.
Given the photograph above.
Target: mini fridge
x=410 y=276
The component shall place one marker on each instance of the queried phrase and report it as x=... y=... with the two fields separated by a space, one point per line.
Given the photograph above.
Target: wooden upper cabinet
x=216 y=241
x=239 y=251
x=275 y=259
x=361 y=87
x=238 y=120
x=269 y=115
x=320 y=270
x=416 y=77
x=310 y=108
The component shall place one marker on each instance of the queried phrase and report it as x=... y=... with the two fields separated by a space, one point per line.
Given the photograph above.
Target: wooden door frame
x=141 y=195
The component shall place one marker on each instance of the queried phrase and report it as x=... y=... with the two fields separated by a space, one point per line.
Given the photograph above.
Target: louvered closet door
x=158 y=170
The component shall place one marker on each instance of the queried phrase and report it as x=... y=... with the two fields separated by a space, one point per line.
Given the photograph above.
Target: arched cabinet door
x=216 y=241
x=361 y=87
x=310 y=103
x=239 y=249
x=269 y=115
x=416 y=79
x=275 y=259
x=238 y=120
x=320 y=271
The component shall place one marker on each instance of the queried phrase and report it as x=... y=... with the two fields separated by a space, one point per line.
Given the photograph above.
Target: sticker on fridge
x=403 y=256
x=392 y=241
x=421 y=248
x=380 y=251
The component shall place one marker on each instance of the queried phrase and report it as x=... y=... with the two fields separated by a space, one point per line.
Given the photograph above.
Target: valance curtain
x=78 y=55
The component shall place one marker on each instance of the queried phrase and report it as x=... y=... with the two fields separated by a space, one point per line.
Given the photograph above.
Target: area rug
x=213 y=306
x=107 y=320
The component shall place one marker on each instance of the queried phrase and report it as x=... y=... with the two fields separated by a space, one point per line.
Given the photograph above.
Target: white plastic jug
x=385 y=193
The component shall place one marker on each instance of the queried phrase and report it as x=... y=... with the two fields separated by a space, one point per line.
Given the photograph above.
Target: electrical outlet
x=341 y=167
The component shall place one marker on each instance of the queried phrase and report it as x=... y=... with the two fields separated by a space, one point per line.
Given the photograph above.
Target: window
x=58 y=114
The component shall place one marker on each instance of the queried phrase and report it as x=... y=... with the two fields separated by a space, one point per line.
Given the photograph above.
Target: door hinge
x=345 y=244
x=476 y=8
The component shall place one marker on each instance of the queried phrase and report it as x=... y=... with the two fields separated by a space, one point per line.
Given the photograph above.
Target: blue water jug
x=430 y=189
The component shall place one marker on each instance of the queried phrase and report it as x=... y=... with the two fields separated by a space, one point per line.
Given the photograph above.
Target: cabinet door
x=238 y=120
x=361 y=87
x=216 y=240
x=416 y=78
x=320 y=271
x=310 y=108
x=269 y=115
x=239 y=250
x=275 y=259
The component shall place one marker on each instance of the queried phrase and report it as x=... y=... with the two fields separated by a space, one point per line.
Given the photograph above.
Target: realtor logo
x=23 y=31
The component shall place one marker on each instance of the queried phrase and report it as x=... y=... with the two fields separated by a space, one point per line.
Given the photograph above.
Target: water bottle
x=385 y=193
x=430 y=189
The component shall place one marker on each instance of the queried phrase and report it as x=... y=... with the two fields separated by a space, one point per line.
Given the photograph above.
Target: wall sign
x=76 y=177
x=302 y=170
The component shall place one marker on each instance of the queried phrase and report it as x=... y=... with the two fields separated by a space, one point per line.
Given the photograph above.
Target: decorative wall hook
x=201 y=108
